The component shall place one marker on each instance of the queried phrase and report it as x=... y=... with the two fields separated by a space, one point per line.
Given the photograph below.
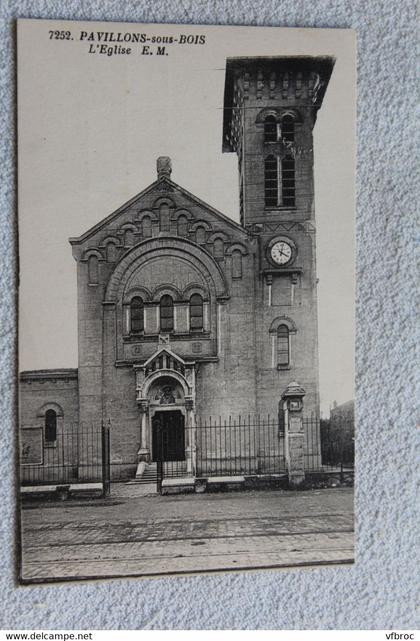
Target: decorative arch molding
x=264 y=113
x=201 y=223
x=50 y=406
x=293 y=113
x=110 y=239
x=164 y=373
x=283 y=320
x=236 y=247
x=175 y=247
x=166 y=288
x=143 y=292
x=181 y=211
x=218 y=234
x=146 y=212
x=123 y=228
x=163 y=200
x=195 y=288
x=91 y=252
x=278 y=114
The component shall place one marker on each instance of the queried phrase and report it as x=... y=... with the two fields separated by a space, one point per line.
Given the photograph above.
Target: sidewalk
x=137 y=532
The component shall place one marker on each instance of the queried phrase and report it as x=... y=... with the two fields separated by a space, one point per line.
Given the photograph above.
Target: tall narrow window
x=288 y=129
x=50 y=426
x=182 y=225
x=283 y=345
x=200 y=235
x=196 y=312
x=236 y=264
x=146 y=226
x=136 y=315
x=93 y=270
x=165 y=223
x=288 y=181
x=111 y=252
x=166 y=313
x=128 y=237
x=271 y=189
x=270 y=129
x=218 y=248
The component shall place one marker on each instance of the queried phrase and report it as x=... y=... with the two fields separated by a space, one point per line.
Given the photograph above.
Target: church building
x=185 y=314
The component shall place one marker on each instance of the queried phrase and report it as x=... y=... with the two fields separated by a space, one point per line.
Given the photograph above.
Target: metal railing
x=328 y=447
x=253 y=446
x=79 y=454
x=241 y=446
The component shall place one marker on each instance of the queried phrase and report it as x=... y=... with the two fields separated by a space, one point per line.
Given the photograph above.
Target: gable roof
x=164 y=349
x=155 y=185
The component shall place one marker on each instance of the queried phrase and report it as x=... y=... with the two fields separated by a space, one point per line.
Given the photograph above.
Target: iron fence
x=242 y=446
x=252 y=446
x=328 y=447
x=78 y=454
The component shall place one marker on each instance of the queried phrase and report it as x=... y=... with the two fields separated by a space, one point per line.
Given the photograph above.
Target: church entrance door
x=168 y=436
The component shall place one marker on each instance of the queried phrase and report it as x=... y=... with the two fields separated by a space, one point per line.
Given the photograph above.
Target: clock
x=281 y=252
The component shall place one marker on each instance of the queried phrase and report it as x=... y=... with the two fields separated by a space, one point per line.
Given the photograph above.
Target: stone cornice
x=48 y=374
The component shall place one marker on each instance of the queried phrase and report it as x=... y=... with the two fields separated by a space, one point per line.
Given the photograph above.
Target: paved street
x=136 y=532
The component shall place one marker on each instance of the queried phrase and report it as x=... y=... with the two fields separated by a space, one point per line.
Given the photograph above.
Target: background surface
x=90 y=129
x=379 y=591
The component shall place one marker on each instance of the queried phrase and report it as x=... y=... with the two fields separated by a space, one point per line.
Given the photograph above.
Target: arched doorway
x=167 y=420
x=168 y=436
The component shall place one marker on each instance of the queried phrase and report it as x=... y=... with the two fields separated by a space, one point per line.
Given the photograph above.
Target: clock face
x=281 y=252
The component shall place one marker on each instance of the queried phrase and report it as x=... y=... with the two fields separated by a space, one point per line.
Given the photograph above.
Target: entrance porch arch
x=165 y=397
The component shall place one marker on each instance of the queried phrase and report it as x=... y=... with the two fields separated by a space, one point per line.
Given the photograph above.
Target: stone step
x=149 y=475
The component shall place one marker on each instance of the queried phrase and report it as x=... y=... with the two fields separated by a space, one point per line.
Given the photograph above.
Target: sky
x=90 y=128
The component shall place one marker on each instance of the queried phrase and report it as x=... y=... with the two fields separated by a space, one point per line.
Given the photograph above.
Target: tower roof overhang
x=321 y=65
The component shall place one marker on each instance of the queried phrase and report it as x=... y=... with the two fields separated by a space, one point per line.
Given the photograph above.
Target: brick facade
x=166 y=242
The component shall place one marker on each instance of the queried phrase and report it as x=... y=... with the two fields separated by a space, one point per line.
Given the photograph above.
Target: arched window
x=236 y=264
x=218 y=248
x=196 y=312
x=288 y=181
x=166 y=313
x=200 y=235
x=136 y=315
x=270 y=129
x=50 y=426
x=165 y=223
x=288 y=128
x=93 y=270
x=128 y=237
x=146 y=226
x=182 y=226
x=271 y=187
x=283 y=354
x=111 y=252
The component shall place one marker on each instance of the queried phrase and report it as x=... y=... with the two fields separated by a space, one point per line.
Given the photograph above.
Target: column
x=292 y=403
x=144 y=451
x=190 y=449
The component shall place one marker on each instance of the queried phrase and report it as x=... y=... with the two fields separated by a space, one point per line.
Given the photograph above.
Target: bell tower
x=270 y=109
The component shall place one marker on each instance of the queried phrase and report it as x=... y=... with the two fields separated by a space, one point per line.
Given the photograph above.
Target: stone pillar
x=164 y=167
x=144 y=451
x=190 y=450
x=292 y=404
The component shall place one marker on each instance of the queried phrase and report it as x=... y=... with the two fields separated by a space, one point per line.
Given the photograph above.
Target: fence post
x=190 y=436
x=143 y=454
x=106 y=471
x=159 y=470
x=292 y=404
